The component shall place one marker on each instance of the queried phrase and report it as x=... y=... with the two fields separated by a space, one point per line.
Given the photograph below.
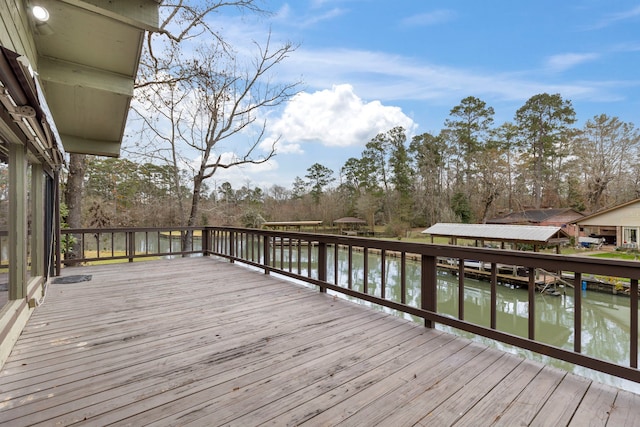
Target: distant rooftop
x=533 y=216
x=292 y=224
x=349 y=220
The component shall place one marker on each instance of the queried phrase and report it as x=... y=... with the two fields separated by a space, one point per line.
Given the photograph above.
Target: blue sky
x=370 y=65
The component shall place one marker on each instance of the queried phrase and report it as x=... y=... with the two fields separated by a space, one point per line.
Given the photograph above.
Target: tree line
x=469 y=172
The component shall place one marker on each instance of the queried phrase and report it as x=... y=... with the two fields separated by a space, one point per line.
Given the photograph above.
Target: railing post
x=266 y=252
x=131 y=244
x=322 y=264
x=577 y=312
x=232 y=246
x=429 y=287
x=205 y=242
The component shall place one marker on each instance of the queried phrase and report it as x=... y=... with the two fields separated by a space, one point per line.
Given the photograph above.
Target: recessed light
x=40 y=13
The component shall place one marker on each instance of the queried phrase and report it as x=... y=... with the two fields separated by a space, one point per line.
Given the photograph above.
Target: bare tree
x=604 y=148
x=181 y=20
x=206 y=106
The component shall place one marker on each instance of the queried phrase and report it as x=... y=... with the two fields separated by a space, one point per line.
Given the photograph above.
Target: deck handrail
x=281 y=252
x=119 y=243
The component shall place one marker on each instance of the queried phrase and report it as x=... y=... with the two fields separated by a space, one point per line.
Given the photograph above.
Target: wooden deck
x=200 y=341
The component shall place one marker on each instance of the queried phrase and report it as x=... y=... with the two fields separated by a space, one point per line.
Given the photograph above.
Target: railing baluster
x=336 y=248
x=494 y=295
x=299 y=255
x=577 y=312
x=403 y=277
x=309 y=263
x=531 y=290
x=282 y=253
x=350 y=267
x=365 y=270
x=383 y=274
x=461 y=289
x=633 y=330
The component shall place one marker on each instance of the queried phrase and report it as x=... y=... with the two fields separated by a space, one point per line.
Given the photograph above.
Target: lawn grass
x=617 y=255
x=107 y=260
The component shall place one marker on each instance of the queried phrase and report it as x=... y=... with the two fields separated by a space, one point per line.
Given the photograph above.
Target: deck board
x=200 y=341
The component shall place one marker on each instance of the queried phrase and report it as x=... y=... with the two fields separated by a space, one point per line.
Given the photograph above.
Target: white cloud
x=287 y=16
x=429 y=18
x=566 y=61
x=615 y=18
x=335 y=117
x=390 y=77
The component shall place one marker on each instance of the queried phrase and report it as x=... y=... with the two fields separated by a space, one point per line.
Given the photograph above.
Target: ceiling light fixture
x=40 y=13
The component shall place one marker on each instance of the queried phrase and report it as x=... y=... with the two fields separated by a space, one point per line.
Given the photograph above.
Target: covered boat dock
x=292 y=225
x=516 y=236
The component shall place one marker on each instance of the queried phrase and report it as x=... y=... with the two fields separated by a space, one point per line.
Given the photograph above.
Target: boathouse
x=352 y=226
x=507 y=236
x=67 y=70
x=292 y=225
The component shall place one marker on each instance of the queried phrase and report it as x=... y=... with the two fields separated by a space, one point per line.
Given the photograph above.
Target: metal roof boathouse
x=534 y=235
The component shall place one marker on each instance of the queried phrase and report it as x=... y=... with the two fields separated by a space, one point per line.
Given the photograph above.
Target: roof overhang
x=88 y=56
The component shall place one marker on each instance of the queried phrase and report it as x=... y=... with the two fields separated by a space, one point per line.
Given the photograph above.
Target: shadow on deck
x=199 y=341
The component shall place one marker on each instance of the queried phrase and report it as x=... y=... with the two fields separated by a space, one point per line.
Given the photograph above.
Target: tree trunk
x=187 y=237
x=73 y=194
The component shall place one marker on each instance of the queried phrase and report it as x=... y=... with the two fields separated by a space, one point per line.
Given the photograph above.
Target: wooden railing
x=313 y=258
x=128 y=243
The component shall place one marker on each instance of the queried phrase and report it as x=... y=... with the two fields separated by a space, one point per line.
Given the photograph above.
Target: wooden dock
x=199 y=341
